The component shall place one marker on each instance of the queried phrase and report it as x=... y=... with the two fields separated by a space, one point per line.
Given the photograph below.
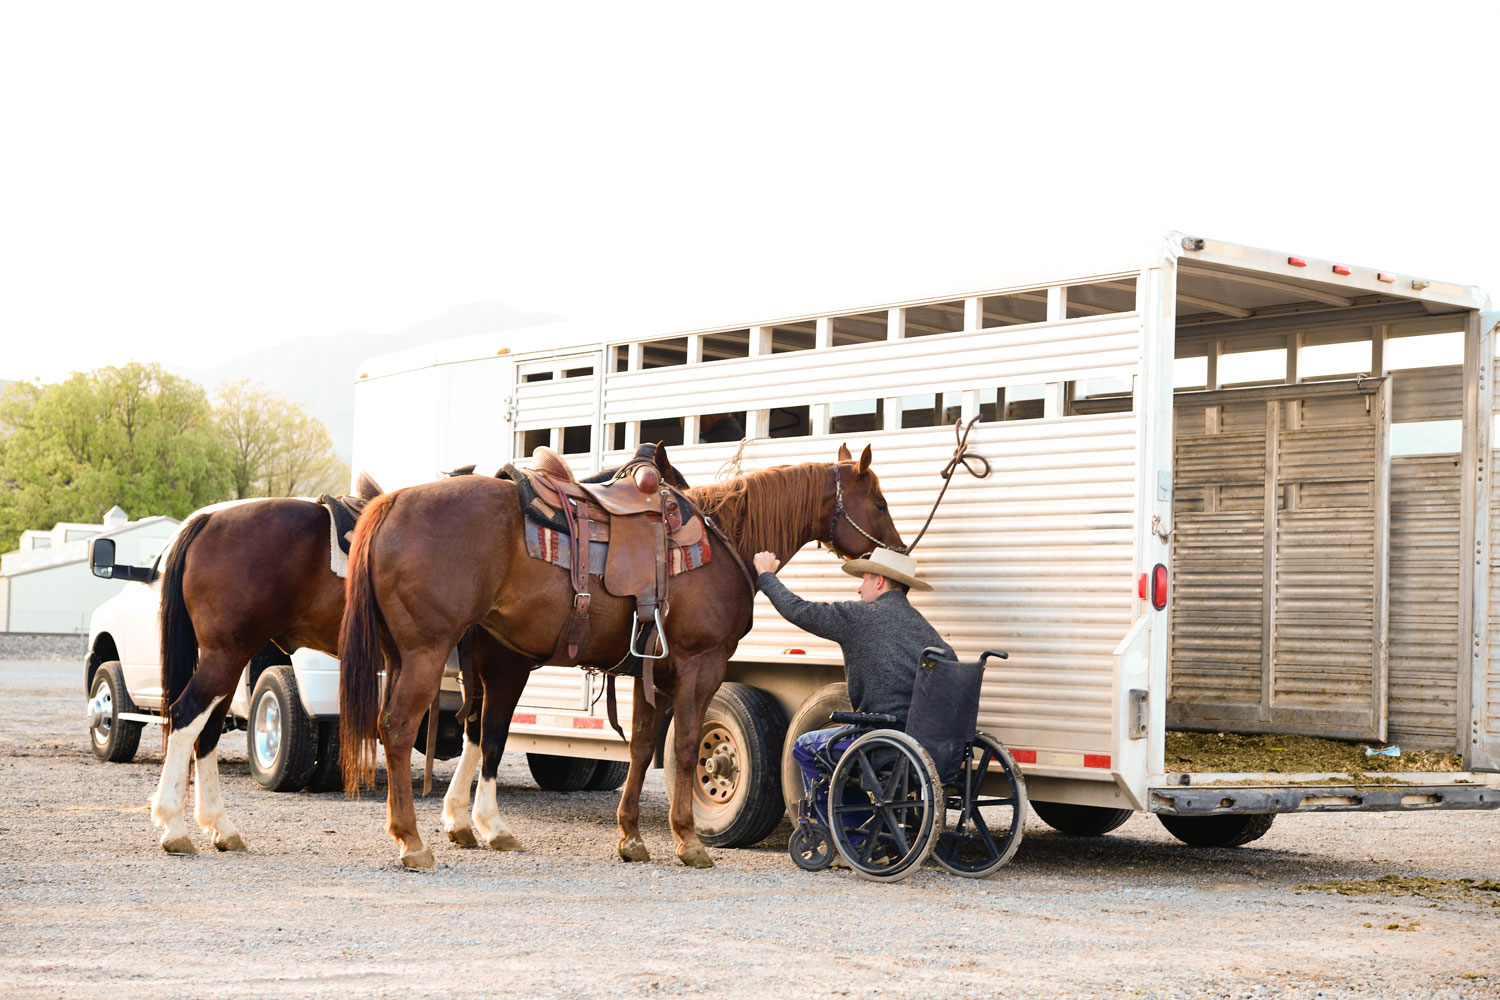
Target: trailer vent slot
x=1421 y=800
x=1326 y=801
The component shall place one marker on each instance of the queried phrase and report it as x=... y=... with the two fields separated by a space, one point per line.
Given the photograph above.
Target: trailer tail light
x=1159 y=587
x=1296 y=261
x=1341 y=269
x=1389 y=279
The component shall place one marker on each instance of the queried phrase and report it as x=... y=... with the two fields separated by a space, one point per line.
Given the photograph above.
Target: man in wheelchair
x=882 y=796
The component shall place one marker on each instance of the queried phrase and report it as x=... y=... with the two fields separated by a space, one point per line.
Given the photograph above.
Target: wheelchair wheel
x=983 y=824
x=885 y=805
x=810 y=847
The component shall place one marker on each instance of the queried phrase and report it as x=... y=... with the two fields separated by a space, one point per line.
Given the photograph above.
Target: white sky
x=190 y=182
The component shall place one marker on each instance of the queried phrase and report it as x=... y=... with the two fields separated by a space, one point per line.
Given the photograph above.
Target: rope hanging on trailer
x=976 y=465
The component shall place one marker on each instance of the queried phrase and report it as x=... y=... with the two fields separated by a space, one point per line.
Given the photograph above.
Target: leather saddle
x=640 y=518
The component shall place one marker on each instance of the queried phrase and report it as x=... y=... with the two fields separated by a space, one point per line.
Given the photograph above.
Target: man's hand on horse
x=766 y=562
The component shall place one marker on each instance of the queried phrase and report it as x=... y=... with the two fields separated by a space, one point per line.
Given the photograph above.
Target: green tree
x=133 y=435
x=276 y=447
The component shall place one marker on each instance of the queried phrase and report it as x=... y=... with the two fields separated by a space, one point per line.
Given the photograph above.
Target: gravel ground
x=90 y=907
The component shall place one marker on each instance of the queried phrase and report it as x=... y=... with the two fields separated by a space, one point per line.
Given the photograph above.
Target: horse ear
x=864 y=462
x=367 y=487
x=844 y=455
x=664 y=464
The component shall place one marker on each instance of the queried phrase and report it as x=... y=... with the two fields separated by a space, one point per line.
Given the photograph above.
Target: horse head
x=861 y=520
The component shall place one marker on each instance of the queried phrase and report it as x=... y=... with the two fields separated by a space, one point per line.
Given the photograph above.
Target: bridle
x=839 y=508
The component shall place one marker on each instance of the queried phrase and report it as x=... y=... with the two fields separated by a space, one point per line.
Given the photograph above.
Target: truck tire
x=608 y=776
x=816 y=713
x=1080 y=821
x=737 y=787
x=281 y=741
x=561 y=774
x=1234 y=830
x=111 y=738
x=326 y=776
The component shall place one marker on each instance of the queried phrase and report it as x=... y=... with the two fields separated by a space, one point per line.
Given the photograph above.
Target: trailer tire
x=815 y=713
x=281 y=741
x=1080 y=821
x=112 y=739
x=561 y=774
x=609 y=775
x=744 y=728
x=1234 y=830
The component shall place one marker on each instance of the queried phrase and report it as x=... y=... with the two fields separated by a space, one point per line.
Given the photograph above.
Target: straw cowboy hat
x=888 y=563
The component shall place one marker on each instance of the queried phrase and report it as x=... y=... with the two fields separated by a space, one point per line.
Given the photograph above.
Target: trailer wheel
x=816 y=713
x=609 y=775
x=282 y=740
x=736 y=790
x=326 y=775
x=561 y=774
x=1080 y=821
x=111 y=738
x=1218 y=831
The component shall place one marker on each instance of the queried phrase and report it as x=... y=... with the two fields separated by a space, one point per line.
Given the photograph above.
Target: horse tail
x=179 y=641
x=360 y=654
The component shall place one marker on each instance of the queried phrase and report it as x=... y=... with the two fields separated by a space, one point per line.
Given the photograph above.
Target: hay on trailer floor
x=1288 y=754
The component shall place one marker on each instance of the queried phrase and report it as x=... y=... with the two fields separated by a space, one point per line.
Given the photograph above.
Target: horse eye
x=880 y=506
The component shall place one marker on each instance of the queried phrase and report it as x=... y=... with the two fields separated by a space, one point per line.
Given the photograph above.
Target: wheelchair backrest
x=945 y=710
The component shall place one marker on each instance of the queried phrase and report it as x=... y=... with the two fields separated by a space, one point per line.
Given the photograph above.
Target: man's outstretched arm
x=828 y=621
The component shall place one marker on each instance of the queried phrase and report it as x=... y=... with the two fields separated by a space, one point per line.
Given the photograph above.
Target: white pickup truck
x=288 y=704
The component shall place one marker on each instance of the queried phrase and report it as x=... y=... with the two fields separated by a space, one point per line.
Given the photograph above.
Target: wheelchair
x=888 y=798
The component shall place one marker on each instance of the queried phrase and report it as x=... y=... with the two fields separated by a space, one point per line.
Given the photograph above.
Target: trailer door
x=1282 y=520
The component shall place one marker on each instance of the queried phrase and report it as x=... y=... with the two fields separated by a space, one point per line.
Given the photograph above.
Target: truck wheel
x=1080 y=821
x=282 y=740
x=816 y=713
x=326 y=776
x=561 y=774
x=609 y=775
x=736 y=788
x=111 y=738
x=1217 y=831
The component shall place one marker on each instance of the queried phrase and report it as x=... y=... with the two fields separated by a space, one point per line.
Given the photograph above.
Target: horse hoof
x=505 y=842
x=179 y=845
x=233 y=842
x=696 y=856
x=634 y=850
x=419 y=861
x=463 y=836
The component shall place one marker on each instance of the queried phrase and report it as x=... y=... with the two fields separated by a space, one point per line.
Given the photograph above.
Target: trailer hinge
x=1138 y=714
x=510 y=409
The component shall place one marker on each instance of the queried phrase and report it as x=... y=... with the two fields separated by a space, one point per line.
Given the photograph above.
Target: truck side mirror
x=102 y=557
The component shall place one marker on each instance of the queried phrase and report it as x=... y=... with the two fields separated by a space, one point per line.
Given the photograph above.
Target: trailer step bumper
x=1218 y=801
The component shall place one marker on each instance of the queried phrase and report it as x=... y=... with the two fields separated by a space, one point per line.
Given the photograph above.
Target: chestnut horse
x=432 y=560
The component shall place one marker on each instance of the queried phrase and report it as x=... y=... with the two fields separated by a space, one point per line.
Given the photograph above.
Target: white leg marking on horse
x=211 y=815
x=456 y=803
x=492 y=829
x=170 y=800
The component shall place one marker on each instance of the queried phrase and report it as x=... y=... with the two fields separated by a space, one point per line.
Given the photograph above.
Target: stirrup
x=661 y=636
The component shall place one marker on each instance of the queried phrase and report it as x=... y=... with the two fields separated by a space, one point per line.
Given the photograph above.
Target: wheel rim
x=102 y=711
x=879 y=808
x=980 y=835
x=717 y=776
x=267 y=733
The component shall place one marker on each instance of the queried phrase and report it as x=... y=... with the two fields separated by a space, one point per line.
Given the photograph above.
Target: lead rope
x=977 y=466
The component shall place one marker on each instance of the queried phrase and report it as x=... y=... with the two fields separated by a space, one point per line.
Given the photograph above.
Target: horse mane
x=771 y=510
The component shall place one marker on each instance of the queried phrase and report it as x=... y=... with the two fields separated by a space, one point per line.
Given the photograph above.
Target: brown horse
x=430 y=561
x=236 y=580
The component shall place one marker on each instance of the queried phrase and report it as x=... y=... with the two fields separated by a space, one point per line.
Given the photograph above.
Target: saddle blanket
x=553 y=546
x=342 y=513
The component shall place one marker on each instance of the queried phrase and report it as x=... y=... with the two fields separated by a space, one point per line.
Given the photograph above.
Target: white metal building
x=46 y=586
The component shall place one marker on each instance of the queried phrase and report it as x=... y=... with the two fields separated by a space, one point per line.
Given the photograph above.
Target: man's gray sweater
x=882 y=641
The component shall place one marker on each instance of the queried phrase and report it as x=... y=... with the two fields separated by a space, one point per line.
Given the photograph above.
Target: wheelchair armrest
x=864 y=719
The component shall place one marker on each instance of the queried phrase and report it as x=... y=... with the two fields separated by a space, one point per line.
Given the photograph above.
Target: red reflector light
x=1296 y=261
x=795 y=652
x=1096 y=760
x=1023 y=756
x=1140 y=586
x=582 y=723
x=1159 y=587
x=1340 y=269
x=1387 y=278
x=523 y=719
